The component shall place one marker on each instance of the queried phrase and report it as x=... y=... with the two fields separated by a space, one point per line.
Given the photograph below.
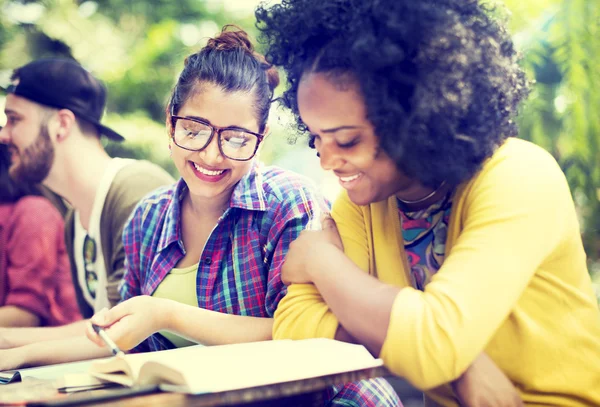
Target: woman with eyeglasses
x=203 y=257
x=35 y=281
x=454 y=251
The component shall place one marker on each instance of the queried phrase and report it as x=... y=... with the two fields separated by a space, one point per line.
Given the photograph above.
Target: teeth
x=348 y=179
x=208 y=172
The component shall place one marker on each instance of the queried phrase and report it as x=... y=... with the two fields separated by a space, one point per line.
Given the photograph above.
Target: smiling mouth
x=350 y=178
x=210 y=173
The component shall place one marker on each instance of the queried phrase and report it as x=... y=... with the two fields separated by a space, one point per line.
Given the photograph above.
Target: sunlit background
x=137 y=48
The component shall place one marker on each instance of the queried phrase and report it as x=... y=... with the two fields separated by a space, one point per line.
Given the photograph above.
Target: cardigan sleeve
x=516 y=215
x=303 y=313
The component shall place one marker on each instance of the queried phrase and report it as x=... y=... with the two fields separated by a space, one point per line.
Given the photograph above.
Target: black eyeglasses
x=195 y=134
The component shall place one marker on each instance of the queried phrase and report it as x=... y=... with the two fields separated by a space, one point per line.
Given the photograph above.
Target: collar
x=248 y=194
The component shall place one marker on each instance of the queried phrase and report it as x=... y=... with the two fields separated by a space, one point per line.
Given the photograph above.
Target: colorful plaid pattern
x=239 y=270
x=366 y=393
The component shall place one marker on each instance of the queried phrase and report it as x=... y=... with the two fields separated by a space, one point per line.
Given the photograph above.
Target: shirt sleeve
x=298 y=211
x=130 y=284
x=515 y=216
x=303 y=313
x=32 y=250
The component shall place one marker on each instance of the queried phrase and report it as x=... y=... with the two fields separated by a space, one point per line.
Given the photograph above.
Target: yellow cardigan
x=514 y=284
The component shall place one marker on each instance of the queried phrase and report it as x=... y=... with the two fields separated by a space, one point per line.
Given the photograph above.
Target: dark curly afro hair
x=439 y=78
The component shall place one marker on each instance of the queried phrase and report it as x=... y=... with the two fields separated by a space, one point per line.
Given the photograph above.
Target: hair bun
x=231 y=37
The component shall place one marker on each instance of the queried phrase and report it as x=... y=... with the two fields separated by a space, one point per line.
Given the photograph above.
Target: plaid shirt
x=239 y=269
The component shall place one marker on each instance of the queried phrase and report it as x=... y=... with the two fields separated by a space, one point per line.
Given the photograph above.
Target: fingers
x=107 y=317
x=97 y=319
x=92 y=335
x=100 y=318
x=327 y=221
x=330 y=228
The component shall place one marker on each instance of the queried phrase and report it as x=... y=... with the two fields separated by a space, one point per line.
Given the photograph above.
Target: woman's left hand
x=129 y=322
x=306 y=249
x=485 y=385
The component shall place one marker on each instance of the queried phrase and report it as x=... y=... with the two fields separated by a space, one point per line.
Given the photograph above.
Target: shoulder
x=283 y=186
x=35 y=213
x=155 y=202
x=159 y=198
x=140 y=176
x=521 y=161
x=521 y=175
x=132 y=183
x=37 y=208
x=518 y=154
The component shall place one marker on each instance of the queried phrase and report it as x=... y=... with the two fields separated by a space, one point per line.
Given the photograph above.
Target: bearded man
x=53 y=130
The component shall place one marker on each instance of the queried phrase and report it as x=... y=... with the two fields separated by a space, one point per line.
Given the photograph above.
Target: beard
x=35 y=161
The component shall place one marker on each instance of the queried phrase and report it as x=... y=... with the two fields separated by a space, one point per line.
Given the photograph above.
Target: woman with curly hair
x=456 y=248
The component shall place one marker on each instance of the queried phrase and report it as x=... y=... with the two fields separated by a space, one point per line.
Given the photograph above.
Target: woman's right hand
x=485 y=385
x=129 y=322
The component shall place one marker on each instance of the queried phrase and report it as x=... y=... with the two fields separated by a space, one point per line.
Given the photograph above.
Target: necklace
x=417 y=201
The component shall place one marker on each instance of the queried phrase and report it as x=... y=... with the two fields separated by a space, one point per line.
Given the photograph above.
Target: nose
x=4 y=139
x=330 y=158
x=211 y=154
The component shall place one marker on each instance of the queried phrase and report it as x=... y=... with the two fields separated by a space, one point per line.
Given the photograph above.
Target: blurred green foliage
x=137 y=47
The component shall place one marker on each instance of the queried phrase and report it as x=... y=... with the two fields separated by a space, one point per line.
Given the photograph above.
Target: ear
x=65 y=122
x=267 y=131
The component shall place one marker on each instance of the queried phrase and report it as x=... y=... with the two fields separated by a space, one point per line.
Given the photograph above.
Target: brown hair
x=230 y=61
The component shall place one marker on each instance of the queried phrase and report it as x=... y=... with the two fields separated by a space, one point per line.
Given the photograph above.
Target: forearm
x=214 y=328
x=13 y=337
x=303 y=314
x=61 y=351
x=361 y=303
x=12 y=317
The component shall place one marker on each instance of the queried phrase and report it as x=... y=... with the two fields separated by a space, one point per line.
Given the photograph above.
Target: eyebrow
x=10 y=111
x=225 y=127
x=336 y=129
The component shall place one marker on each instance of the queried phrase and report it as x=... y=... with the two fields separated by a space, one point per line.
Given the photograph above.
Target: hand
x=12 y=358
x=485 y=385
x=129 y=322
x=306 y=247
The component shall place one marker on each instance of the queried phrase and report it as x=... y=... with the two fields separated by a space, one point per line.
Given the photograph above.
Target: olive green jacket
x=130 y=185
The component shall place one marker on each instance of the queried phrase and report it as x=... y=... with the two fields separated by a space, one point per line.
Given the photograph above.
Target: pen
x=113 y=346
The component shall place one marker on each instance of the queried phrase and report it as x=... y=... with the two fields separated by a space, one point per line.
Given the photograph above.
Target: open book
x=212 y=369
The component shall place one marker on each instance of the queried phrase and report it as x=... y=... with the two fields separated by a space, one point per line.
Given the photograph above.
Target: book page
x=230 y=367
x=126 y=371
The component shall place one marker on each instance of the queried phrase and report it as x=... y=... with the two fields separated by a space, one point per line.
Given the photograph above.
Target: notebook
x=213 y=369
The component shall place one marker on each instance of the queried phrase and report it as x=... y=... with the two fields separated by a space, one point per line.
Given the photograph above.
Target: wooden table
x=305 y=393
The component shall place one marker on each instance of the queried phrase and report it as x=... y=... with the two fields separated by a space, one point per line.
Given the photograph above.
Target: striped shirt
x=239 y=268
